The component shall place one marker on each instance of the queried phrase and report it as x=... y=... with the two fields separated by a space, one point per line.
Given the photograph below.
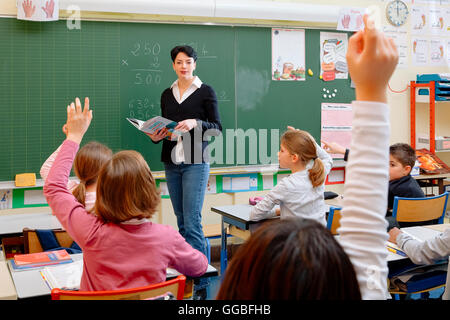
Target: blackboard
x=123 y=67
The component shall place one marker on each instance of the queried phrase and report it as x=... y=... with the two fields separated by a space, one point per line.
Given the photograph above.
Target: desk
x=30 y=284
x=7 y=289
x=238 y=217
x=14 y=223
x=403 y=265
x=439 y=177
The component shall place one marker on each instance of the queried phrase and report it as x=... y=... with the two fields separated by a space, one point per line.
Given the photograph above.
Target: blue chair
x=420 y=209
x=333 y=220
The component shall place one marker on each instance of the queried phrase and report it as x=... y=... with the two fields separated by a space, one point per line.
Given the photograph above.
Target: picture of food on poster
x=419 y=19
x=419 y=51
x=333 y=47
x=288 y=54
x=437 y=57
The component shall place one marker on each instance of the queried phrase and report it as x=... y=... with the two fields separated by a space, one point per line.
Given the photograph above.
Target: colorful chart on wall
x=288 y=54
x=333 y=48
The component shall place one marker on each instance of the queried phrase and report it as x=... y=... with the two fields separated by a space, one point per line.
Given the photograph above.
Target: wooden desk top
x=7 y=288
x=432 y=176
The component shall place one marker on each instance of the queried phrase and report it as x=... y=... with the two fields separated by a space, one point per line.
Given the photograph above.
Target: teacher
x=193 y=105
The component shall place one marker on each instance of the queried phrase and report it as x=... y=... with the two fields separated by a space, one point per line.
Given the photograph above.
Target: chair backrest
x=175 y=286
x=420 y=209
x=333 y=221
x=33 y=245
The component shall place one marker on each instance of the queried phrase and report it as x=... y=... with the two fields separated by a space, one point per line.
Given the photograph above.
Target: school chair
x=424 y=285
x=420 y=209
x=59 y=237
x=333 y=220
x=174 y=286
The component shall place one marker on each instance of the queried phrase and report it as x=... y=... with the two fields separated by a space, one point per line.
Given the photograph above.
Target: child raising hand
x=121 y=247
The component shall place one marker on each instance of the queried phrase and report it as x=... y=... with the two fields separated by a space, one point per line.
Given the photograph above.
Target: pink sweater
x=117 y=256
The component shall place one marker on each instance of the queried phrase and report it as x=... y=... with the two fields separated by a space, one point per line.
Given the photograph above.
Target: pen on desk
x=396 y=251
x=45 y=280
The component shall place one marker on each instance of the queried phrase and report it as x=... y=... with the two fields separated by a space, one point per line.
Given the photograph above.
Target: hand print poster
x=350 y=19
x=38 y=10
x=288 y=54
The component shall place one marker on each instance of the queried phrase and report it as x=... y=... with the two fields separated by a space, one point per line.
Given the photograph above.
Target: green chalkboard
x=123 y=67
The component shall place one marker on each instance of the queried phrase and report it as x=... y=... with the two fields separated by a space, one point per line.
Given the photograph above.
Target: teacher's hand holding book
x=159 y=134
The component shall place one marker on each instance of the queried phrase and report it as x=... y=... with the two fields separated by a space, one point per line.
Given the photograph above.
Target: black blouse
x=200 y=105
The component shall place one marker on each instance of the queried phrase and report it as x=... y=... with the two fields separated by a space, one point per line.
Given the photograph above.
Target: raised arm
x=325 y=157
x=71 y=214
x=47 y=165
x=371 y=60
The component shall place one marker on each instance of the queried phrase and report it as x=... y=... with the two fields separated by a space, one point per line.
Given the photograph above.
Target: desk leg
x=441 y=186
x=223 y=251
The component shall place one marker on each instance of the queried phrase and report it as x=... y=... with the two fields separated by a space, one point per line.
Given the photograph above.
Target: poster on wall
x=288 y=54
x=333 y=48
x=351 y=19
x=419 y=51
x=399 y=35
x=336 y=124
x=38 y=10
x=419 y=20
x=437 y=56
x=5 y=199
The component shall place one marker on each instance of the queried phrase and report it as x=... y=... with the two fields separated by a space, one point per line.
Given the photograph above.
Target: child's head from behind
x=299 y=146
x=87 y=164
x=126 y=189
x=401 y=160
x=292 y=258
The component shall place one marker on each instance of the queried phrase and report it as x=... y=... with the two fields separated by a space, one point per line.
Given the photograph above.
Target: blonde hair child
x=121 y=247
x=88 y=162
x=300 y=194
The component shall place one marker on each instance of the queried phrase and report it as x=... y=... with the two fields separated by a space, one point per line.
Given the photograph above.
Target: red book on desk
x=31 y=260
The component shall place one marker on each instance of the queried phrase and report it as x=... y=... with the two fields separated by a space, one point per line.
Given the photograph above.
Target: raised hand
x=371 y=59
x=78 y=120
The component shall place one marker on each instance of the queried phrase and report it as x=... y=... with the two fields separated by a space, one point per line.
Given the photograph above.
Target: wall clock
x=397 y=12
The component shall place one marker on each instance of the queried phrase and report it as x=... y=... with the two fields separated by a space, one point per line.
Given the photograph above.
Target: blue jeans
x=187 y=185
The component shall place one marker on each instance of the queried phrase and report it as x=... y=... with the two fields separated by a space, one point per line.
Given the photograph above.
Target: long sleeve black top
x=200 y=105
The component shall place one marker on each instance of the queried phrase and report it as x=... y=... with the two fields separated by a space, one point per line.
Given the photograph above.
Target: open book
x=66 y=276
x=154 y=124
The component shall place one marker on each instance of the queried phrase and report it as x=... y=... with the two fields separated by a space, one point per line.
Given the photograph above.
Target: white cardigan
x=363 y=232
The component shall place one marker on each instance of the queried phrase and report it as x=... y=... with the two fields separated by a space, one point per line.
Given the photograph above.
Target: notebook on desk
x=417 y=233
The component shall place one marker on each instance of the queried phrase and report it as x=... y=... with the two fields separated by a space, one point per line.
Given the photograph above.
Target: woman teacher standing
x=193 y=105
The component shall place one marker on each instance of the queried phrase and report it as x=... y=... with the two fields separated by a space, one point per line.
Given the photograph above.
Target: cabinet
x=432 y=98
